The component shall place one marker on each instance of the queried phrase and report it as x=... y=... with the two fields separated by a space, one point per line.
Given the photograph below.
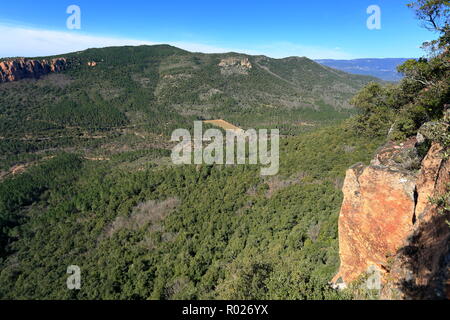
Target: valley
x=93 y=142
x=87 y=179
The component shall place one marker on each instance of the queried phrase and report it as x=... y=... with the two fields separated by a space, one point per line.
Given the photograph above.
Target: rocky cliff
x=389 y=222
x=13 y=70
x=235 y=65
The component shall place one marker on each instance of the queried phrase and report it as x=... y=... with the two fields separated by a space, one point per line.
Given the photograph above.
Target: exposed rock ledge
x=13 y=70
x=388 y=224
x=235 y=65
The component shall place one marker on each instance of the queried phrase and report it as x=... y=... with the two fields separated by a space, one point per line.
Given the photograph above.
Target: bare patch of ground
x=151 y=211
x=276 y=183
x=55 y=79
x=222 y=124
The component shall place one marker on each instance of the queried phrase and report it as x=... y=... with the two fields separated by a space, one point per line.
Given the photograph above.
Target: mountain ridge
x=383 y=68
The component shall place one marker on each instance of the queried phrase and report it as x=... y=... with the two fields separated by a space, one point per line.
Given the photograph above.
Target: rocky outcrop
x=235 y=65
x=421 y=267
x=377 y=212
x=388 y=224
x=17 y=69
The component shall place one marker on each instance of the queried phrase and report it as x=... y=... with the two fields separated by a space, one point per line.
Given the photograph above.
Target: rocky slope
x=13 y=70
x=389 y=223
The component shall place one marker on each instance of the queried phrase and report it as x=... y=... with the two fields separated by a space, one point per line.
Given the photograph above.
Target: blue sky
x=315 y=28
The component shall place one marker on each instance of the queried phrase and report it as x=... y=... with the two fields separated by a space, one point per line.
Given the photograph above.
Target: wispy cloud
x=23 y=41
x=286 y=49
x=33 y=42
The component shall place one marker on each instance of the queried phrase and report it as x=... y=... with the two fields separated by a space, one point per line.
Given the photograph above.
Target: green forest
x=97 y=189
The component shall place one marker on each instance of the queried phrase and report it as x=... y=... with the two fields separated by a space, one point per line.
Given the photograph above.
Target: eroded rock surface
x=376 y=215
x=421 y=267
x=235 y=65
x=17 y=69
x=387 y=221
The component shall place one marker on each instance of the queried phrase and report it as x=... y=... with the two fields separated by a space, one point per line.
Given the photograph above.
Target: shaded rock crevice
x=421 y=268
x=416 y=199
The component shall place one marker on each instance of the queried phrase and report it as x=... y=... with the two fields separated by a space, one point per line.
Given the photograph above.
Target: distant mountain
x=163 y=87
x=385 y=69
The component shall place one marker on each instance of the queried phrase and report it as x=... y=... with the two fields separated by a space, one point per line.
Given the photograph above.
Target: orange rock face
x=385 y=203
x=376 y=216
x=428 y=181
x=13 y=70
x=421 y=268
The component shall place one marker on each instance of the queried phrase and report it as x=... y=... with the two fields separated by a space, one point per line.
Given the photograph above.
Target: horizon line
x=27 y=41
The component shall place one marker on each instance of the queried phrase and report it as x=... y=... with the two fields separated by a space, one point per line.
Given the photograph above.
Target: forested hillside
x=111 y=97
x=98 y=189
x=184 y=232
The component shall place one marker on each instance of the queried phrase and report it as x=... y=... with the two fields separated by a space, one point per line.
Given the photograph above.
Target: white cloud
x=31 y=42
x=22 y=41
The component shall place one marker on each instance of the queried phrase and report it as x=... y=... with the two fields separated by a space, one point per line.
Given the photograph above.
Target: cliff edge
x=17 y=69
x=390 y=223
